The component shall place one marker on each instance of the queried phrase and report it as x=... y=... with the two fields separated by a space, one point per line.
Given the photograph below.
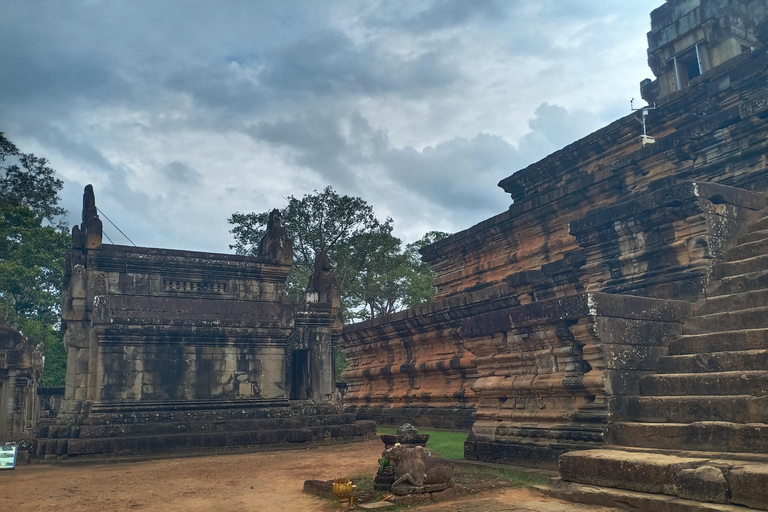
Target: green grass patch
x=449 y=445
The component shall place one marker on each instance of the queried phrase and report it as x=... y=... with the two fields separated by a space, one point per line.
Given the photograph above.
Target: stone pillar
x=21 y=364
x=318 y=323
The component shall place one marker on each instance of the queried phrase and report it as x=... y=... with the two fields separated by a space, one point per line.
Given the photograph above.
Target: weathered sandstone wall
x=638 y=229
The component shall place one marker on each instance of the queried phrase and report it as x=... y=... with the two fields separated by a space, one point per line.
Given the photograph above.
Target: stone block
x=749 y=485
x=633 y=471
x=704 y=483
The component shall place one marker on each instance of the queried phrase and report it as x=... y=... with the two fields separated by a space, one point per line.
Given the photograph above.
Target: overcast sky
x=182 y=112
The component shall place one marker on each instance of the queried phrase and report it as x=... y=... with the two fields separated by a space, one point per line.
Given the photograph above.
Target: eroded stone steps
x=732 y=360
x=741 y=283
x=756 y=318
x=753 y=236
x=744 y=339
x=760 y=225
x=736 y=302
x=714 y=436
x=718 y=383
x=745 y=266
x=726 y=482
x=748 y=250
x=690 y=409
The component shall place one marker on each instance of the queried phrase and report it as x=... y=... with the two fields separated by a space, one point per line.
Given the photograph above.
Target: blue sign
x=8 y=456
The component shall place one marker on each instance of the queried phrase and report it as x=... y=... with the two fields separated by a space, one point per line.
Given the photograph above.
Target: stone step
x=630 y=500
x=728 y=482
x=756 y=318
x=691 y=409
x=730 y=303
x=748 y=250
x=697 y=384
x=735 y=268
x=753 y=236
x=741 y=360
x=759 y=225
x=715 y=436
x=747 y=339
x=740 y=284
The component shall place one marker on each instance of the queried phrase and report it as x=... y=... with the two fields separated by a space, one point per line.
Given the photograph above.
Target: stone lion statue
x=417 y=471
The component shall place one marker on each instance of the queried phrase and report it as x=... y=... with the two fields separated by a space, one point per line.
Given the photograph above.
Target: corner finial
x=91 y=228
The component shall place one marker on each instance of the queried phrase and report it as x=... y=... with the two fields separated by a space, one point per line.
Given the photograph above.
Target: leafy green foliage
x=341 y=362
x=375 y=274
x=33 y=244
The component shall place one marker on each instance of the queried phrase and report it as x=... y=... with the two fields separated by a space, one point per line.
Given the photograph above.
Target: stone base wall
x=184 y=427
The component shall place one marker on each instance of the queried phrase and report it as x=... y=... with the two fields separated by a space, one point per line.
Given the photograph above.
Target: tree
x=420 y=285
x=375 y=274
x=34 y=241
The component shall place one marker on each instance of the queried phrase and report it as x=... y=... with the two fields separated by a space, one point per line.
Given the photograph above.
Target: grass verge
x=449 y=445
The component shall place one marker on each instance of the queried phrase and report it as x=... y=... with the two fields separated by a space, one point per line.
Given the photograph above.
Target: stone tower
x=690 y=37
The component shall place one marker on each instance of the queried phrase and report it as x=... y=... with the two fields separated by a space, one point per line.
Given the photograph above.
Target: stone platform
x=197 y=427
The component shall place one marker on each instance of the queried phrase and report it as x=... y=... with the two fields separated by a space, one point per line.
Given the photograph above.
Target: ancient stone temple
x=21 y=364
x=619 y=309
x=184 y=351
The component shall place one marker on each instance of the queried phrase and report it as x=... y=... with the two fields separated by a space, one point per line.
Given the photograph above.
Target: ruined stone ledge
x=668 y=197
x=573 y=308
x=173 y=255
x=433 y=316
x=184 y=264
x=446 y=312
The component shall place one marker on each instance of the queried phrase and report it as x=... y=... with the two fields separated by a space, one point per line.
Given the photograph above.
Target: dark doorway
x=300 y=375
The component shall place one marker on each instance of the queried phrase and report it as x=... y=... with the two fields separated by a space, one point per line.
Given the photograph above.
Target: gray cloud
x=331 y=63
x=181 y=174
x=182 y=112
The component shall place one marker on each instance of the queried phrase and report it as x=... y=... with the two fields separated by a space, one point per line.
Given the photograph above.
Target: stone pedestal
x=406 y=436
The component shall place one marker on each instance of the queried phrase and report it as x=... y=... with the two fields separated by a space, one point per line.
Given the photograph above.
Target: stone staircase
x=696 y=437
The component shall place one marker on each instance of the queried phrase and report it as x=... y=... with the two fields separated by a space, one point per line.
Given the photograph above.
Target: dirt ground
x=268 y=481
